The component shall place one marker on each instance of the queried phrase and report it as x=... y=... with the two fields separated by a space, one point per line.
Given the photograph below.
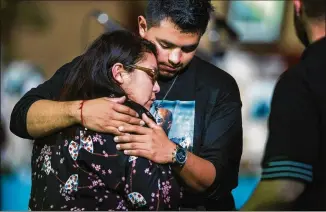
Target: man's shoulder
x=68 y=66
x=295 y=71
x=291 y=79
x=299 y=82
x=213 y=76
x=311 y=66
x=303 y=72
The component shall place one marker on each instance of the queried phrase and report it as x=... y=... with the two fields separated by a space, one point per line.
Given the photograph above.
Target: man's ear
x=142 y=26
x=117 y=70
x=297 y=7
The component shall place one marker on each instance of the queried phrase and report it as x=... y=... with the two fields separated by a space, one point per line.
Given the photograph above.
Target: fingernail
x=126 y=152
x=142 y=122
x=137 y=115
x=115 y=139
x=118 y=146
x=120 y=128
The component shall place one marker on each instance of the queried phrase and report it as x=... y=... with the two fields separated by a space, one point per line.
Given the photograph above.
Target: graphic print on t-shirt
x=177 y=118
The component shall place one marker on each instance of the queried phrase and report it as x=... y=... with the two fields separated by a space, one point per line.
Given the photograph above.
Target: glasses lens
x=152 y=73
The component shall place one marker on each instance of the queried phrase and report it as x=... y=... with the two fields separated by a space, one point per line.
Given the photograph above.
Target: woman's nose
x=156 y=88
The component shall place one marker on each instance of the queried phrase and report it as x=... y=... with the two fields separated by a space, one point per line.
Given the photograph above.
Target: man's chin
x=165 y=75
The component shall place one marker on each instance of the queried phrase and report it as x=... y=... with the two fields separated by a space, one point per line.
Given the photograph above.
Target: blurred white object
x=257 y=21
x=17 y=78
x=256 y=76
x=257 y=98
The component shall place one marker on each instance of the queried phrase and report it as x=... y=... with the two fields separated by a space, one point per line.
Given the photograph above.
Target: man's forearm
x=274 y=195
x=197 y=173
x=264 y=200
x=45 y=117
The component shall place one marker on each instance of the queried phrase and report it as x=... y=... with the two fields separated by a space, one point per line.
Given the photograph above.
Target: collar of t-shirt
x=183 y=88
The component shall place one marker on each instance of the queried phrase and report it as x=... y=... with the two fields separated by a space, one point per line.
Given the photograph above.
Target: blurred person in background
x=206 y=99
x=294 y=164
x=17 y=77
x=81 y=169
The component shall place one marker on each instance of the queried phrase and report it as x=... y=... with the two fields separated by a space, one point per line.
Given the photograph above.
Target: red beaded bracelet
x=81 y=111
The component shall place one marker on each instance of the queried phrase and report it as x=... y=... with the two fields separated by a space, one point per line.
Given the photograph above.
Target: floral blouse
x=87 y=172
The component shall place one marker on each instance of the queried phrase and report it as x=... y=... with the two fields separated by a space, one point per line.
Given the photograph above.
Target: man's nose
x=175 y=57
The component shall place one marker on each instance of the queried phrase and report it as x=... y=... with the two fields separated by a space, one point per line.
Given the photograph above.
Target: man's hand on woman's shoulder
x=104 y=114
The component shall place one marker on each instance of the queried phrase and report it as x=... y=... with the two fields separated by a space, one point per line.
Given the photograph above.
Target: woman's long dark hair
x=92 y=76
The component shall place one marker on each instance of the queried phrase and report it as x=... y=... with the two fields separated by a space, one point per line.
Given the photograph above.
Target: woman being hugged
x=80 y=169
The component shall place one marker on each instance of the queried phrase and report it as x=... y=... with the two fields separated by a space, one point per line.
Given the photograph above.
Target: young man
x=204 y=101
x=294 y=165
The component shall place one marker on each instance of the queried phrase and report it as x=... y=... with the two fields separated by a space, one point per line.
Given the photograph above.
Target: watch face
x=181 y=156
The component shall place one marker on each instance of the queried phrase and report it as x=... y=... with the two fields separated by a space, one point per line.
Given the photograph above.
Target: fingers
x=150 y=123
x=107 y=114
x=118 y=107
x=111 y=130
x=118 y=100
x=138 y=153
x=113 y=127
x=135 y=129
x=126 y=119
x=125 y=110
x=131 y=138
x=132 y=146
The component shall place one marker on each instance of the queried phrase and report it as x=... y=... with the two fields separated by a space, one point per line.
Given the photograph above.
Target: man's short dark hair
x=315 y=9
x=190 y=16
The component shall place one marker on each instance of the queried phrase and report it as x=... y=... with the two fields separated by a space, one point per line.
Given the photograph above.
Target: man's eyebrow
x=174 y=45
x=166 y=42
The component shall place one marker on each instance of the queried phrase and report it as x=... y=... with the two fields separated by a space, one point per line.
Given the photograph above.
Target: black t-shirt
x=174 y=108
x=183 y=88
x=182 y=106
x=296 y=146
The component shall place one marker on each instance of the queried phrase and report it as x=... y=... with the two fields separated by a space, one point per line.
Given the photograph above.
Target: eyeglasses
x=153 y=73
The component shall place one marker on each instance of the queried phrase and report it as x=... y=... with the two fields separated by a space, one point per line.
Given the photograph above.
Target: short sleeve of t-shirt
x=293 y=130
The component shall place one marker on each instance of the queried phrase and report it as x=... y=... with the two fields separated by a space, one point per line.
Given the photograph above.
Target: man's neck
x=316 y=30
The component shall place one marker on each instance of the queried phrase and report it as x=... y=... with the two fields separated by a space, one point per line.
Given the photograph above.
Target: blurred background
x=252 y=40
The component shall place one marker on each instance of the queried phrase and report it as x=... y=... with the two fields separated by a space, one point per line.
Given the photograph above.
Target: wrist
x=171 y=153
x=179 y=156
x=73 y=109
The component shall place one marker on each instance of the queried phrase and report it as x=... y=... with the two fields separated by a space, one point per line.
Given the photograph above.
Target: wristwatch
x=179 y=156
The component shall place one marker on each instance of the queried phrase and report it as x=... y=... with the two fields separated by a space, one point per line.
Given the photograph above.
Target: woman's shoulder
x=138 y=108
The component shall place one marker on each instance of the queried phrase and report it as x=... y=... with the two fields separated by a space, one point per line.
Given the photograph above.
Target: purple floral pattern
x=86 y=172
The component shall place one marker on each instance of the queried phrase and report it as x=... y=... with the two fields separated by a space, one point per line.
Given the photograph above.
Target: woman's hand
x=151 y=143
